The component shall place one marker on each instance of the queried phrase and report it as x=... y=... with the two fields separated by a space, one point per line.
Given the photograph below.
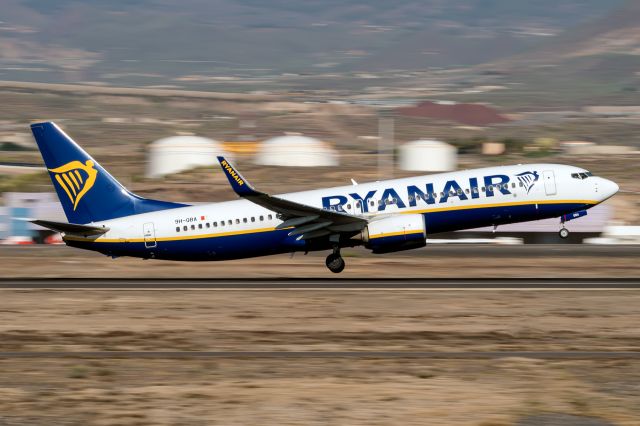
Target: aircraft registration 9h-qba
x=385 y=216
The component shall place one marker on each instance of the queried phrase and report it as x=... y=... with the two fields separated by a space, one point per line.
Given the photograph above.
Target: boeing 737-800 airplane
x=383 y=216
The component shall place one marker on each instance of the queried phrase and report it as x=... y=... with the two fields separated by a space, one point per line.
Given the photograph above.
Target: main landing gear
x=335 y=262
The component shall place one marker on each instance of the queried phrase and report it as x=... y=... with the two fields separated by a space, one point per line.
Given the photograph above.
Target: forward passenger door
x=549 y=182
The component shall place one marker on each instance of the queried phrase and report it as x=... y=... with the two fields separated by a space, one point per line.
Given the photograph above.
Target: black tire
x=335 y=263
x=564 y=233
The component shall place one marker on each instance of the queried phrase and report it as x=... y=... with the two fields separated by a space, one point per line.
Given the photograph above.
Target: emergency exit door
x=549 y=182
x=149 y=233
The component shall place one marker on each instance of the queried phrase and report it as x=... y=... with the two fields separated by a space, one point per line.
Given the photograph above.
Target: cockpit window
x=582 y=175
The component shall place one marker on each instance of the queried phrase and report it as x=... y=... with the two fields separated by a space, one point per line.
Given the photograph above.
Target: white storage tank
x=428 y=155
x=296 y=151
x=178 y=153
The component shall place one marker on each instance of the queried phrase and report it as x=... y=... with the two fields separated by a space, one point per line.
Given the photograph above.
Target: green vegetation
x=33 y=182
x=77 y=372
x=473 y=145
x=10 y=146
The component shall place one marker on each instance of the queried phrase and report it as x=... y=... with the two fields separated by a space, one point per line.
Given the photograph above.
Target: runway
x=542 y=355
x=323 y=284
x=432 y=348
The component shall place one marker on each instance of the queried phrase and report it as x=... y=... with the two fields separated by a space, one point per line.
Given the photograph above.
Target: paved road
x=548 y=355
x=326 y=284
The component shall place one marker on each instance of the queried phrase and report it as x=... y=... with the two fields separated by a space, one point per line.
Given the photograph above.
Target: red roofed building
x=469 y=114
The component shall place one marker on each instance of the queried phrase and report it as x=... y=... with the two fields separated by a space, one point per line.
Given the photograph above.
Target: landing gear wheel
x=335 y=263
x=564 y=233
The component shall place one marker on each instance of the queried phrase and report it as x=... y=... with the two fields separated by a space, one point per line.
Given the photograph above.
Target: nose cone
x=607 y=188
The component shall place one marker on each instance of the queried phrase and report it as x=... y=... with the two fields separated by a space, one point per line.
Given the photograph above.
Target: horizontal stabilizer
x=71 y=228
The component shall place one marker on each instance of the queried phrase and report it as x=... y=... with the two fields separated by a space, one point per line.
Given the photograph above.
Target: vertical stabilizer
x=87 y=192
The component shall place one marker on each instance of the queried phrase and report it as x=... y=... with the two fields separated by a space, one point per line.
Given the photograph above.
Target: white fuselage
x=449 y=201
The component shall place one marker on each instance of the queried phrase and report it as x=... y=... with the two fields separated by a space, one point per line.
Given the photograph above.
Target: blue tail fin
x=88 y=193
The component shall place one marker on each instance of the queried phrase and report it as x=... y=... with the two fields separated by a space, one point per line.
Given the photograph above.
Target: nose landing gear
x=335 y=262
x=564 y=232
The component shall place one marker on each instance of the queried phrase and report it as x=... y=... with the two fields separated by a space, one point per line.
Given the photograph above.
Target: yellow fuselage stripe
x=484 y=206
x=261 y=230
x=180 y=238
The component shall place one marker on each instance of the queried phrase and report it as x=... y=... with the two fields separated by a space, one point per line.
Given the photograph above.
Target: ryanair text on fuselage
x=427 y=194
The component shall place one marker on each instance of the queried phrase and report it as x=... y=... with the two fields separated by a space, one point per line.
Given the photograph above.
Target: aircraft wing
x=71 y=228
x=307 y=221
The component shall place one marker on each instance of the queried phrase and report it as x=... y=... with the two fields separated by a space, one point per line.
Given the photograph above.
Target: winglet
x=238 y=183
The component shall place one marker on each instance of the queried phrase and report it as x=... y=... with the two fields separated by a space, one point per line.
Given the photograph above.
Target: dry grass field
x=318 y=391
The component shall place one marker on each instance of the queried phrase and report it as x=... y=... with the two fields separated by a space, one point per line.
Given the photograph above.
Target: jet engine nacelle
x=395 y=233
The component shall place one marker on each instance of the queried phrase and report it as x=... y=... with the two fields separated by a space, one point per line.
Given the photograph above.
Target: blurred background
x=367 y=90
x=310 y=94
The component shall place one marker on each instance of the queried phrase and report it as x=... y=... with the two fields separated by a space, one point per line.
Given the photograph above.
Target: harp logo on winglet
x=76 y=179
x=232 y=172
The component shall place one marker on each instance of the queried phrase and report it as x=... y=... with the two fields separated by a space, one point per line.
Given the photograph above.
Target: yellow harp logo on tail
x=76 y=179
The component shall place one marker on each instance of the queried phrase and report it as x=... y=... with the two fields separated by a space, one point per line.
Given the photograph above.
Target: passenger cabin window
x=184 y=228
x=193 y=227
x=244 y=220
x=177 y=229
x=215 y=224
x=261 y=218
x=199 y=226
x=270 y=217
x=237 y=221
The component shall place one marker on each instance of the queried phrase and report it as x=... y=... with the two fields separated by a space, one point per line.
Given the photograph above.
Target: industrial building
x=179 y=153
x=428 y=155
x=296 y=151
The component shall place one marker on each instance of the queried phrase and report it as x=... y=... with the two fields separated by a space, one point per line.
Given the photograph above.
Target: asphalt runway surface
x=323 y=284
